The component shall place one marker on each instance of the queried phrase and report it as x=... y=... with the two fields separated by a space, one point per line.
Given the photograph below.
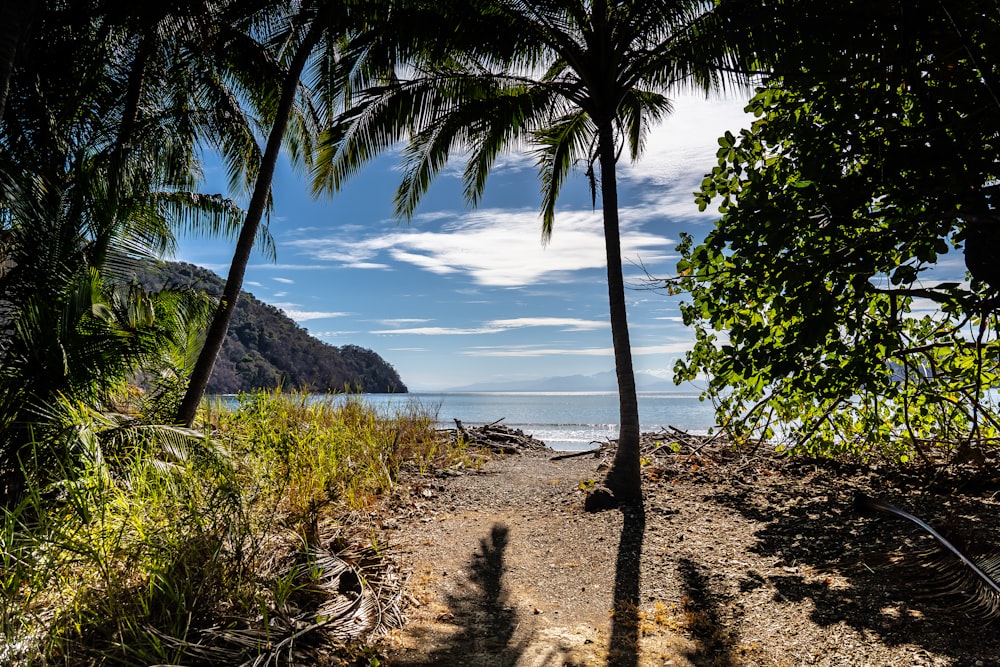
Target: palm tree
x=578 y=80
x=311 y=40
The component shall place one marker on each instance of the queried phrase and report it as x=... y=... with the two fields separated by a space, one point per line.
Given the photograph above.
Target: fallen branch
x=575 y=454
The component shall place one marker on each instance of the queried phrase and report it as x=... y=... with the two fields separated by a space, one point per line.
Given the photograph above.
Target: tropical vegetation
x=831 y=302
x=176 y=547
x=98 y=169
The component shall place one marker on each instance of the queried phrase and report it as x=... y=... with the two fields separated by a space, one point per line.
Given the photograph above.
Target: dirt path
x=731 y=562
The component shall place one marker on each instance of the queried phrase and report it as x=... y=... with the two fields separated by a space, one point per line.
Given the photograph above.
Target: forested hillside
x=265 y=348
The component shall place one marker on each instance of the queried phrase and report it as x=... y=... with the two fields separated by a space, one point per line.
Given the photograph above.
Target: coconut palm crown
x=574 y=81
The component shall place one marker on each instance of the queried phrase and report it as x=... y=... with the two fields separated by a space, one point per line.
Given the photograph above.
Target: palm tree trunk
x=217 y=331
x=623 y=478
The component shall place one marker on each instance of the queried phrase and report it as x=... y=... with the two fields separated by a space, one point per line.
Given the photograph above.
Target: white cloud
x=399 y=321
x=530 y=351
x=564 y=323
x=681 y=149
x=292 y=310
x=499 y=326
x=435 y=331
x=306 y=315
x=497 y=247
x=370 y=265
x=284 y=281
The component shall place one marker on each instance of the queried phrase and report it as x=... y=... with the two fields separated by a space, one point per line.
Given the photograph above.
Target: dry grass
x=140 y=559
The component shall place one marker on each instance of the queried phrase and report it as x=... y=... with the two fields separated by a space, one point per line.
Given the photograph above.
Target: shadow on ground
x=623 y=646
x=482 y=612
x=811 y=527
x=705 y=621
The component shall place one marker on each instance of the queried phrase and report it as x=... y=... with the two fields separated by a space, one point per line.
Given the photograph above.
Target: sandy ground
x=732 y=560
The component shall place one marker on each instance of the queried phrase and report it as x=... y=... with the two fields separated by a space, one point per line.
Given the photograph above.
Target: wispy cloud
x=284 y=281
x=400 y=321
x=495 y=247
x=532 y=351
x=563 y=323
x=294 y=312
x=435 y=331
x=306 y=315
x=499 y=326
x=679 y=151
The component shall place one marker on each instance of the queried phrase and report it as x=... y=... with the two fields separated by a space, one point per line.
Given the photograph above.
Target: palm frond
x=210 y=214
x=354 y=594
x=966 y=570
x=559 y=144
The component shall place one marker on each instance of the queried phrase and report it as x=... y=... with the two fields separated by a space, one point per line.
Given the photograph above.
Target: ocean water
x=563 y=420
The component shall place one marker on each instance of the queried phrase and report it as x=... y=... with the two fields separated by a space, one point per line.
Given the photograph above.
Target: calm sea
x=561 y=420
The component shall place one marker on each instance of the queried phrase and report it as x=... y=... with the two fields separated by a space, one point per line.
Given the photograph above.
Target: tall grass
x=173 y=547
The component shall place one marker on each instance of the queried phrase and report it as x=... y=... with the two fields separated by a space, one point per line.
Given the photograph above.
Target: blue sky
x=460 y=296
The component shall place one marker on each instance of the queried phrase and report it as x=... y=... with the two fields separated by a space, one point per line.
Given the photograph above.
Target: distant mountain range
x=607 y=381
x=265 y=348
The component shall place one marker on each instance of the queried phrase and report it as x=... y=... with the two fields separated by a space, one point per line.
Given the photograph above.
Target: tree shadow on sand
x=812 y=529
x=715 y=645
x=482 y=610
x=623 y=647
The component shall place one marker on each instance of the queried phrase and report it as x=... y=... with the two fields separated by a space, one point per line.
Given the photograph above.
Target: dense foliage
x=196 y=550
x=98 y=143
x=265 y=349
x=105 y=112
x=871 y=170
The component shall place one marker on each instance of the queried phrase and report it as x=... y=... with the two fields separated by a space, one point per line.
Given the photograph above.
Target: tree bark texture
x=623 y=479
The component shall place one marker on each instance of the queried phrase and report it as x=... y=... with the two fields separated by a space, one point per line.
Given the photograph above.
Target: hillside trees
x=578 y=82
x=829 y=301
x=266 y=349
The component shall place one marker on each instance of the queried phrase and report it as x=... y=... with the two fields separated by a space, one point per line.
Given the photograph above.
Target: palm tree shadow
x=623 y=647
x=820 y=531
x=714 y=643
x=482 y=609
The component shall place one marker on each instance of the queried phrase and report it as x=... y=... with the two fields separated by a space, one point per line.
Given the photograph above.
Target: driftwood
x=670 y=440
x=495 y=437
x=571 y=455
